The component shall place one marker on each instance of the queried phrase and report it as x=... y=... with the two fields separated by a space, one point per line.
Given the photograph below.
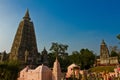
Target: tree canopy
x=9 y=70
x=59 y=51
x=118 y=36
x=84 y=58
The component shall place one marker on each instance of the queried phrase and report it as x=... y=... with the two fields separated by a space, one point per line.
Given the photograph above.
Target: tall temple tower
x=24 y=47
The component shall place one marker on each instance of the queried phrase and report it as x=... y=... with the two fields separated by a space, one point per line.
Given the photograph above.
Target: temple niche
x=105 y=58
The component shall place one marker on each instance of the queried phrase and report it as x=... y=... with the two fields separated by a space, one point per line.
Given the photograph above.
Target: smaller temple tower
x=44 y=57
x=104 y=54
x=3 y=56
x=57 y=75
x=105 y=58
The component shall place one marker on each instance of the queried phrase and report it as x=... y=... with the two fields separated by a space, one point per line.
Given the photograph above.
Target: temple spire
x=56 y=70
x=103 y=42
x=44 y=49
x=27 y=16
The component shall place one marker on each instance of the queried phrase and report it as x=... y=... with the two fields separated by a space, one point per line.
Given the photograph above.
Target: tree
x=118 y=36
x=51 y=59
x=59 y=51
x=75 y=57
x=114 y=54
x=87 y=58
x=113 y=48
x=9 y=70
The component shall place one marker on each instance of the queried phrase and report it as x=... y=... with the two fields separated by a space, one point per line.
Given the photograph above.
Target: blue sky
x=78 y=23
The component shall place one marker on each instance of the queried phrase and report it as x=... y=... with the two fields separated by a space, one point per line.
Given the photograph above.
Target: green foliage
x=9 y=70
x=58 y=50
x=114 y=54
x=102 y=69
x=85 y=58
x=51 y=59
x=75 y=58
x=64 y=63
x=118 y=36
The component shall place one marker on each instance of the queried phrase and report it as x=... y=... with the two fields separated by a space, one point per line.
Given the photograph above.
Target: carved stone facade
x=24 y=48
x=105 y=58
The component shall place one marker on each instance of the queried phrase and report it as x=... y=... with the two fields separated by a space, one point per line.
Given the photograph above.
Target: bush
x=9 y=71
